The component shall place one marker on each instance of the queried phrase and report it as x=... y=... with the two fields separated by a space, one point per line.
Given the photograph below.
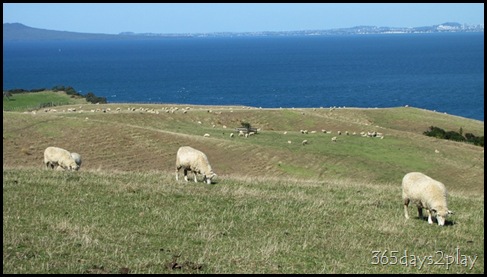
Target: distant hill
x=18 y=31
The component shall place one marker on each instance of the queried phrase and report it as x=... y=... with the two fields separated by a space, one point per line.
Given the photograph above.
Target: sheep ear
x=450 y=212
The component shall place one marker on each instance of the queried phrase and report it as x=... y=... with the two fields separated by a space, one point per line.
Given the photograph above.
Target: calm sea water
x=442 y=72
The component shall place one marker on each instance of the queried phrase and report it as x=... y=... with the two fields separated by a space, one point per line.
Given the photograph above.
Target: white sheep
x=425 y=192
x=305 y=142
x=58 y=158
x=334 y=139
x=190 y=159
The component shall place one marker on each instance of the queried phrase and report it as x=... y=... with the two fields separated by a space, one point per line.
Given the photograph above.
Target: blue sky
x=233 y=17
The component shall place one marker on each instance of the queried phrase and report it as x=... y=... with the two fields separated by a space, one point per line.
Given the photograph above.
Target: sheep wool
x=190 y=159
x=425 y=192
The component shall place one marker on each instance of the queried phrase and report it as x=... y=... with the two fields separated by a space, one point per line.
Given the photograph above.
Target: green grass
x=31 y=101
x=100 y=222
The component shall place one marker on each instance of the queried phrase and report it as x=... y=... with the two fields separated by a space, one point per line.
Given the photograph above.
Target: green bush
x=245 y=125
x=456 y=136
x=92 y=98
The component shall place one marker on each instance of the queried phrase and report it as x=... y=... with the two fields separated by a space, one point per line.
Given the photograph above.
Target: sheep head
x=441 y=214
x=209 y=177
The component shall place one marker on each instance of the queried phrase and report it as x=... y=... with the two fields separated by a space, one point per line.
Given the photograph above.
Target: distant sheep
x=425 y=192
x=58 y=158
x=190 y=159
x=334 y=139
x=305 y=142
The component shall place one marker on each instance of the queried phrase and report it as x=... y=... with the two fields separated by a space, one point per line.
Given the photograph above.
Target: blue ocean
x=441 y=71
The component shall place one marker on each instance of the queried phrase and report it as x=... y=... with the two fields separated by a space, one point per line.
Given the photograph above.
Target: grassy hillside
x=275 y=206
x=34 y=101
x=146 y=222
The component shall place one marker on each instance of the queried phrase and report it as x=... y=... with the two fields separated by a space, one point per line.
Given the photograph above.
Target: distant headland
x=19 y=32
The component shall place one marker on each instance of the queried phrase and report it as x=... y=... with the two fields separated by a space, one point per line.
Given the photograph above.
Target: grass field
x=275 y=207
x=31 y=101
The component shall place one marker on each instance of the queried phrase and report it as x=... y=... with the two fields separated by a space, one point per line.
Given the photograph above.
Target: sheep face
x=209 y=178
x=441 y=215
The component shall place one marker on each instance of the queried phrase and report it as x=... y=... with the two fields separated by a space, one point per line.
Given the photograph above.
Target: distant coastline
x=18 y=31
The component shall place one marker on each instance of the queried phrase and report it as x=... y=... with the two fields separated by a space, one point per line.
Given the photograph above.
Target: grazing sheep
x=190 y=159
x=206 y=135
x=305 y=142
x=334 y=139
x=426 y=193
x=58 y=158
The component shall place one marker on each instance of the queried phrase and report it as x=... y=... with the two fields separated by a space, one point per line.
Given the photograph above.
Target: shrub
x=245 y=125
x=92 y=98
x=456 y=136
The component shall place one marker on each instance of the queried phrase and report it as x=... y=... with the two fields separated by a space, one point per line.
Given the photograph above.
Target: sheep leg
x=194 y=175
x=185 y=174
x=406 y=203
x=420 y=212
x=430 y=220
x=177 y=173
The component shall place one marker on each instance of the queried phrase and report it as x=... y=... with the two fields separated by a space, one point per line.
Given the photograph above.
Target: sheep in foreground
x=190 y=159
x=427 y=193
x=58 y=158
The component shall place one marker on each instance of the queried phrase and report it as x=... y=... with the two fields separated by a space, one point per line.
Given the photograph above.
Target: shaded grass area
x=145 y=222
